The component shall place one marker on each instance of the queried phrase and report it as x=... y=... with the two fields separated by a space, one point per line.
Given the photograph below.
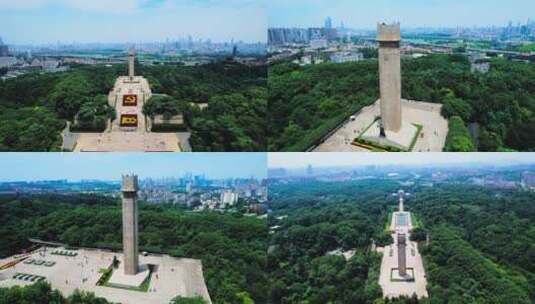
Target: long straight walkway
x=132 y=138
x=401 y=223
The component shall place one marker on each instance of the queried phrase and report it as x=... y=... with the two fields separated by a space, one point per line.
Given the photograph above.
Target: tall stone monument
x=401 y=196
x=402 y=255
x=131 y=61
x=130 y=224
x=389 y=38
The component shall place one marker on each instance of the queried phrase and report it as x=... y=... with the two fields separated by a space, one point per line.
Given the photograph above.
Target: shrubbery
x=458 y=139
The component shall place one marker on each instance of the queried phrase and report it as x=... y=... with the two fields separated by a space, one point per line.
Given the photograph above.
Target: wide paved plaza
x=431 y=139
x=170 y=278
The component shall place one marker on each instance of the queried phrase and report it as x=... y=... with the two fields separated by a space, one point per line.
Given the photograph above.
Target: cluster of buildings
x=4 y=50
x=312 y=35
x=17 y=66
x=17 y=60
x=509 y=32
x=196 y=192
x=494 y=181
x=329 y=44
x=191 y=45
x=528 y=180
x=342 y=57
x=490 y=177
x=170 y=47
x=479 y=62
x=498 y=181
x=312 y=45
x=200 y=193
x=58 y=187
x=14 y=66
x=251 y=194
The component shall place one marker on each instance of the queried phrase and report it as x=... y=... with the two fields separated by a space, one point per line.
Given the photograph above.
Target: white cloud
x=43 y=21
x=21 y=4
x=102 y=5
x=114 y=6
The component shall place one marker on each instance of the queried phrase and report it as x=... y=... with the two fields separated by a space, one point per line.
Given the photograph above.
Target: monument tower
x=130 y=224
x=402 y=258
x=401 y=195
x=131 y=61
x=389 y=38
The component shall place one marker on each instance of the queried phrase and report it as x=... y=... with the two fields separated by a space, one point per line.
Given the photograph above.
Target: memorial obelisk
x=389 y=38
x=402 y=255
x=130 y=224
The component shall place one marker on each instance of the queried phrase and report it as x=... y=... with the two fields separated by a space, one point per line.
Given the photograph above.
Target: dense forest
x=42 y=293
x=232 y=247
x=315 y=219
x=482 y=242
x=35 y=107
x=307 y=102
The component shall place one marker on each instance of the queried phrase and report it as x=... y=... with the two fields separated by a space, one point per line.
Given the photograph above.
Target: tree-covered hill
x=316 y=218
x=34 y=107
x=481 y=246
x=232 y=247
x=307 y=102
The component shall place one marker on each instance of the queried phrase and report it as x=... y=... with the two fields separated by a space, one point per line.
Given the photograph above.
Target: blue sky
x=411 y=13
x=49 y=21
x=301 y=160
x=110 y=166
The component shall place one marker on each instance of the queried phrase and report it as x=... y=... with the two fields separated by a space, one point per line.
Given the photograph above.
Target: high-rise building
x=328 y=23
x=229 y=197
x=130 y=224
x=234 y=51
x=4 y=50
x=309 y=170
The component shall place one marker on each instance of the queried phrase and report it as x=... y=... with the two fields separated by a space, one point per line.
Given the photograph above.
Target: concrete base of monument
x=85 y=271
x=120 y=279
x=432 y=137
x=396 y=277
x=404 y=139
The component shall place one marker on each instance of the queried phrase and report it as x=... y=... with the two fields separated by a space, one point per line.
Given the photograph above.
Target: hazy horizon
x=110 y=166
x=359 y=14
x=39 y=22
x=341 y=159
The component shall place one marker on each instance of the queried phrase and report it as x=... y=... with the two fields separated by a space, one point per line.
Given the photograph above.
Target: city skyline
x=317 y=159
x=39 y=22
x=110 y=166
x=411 y=13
